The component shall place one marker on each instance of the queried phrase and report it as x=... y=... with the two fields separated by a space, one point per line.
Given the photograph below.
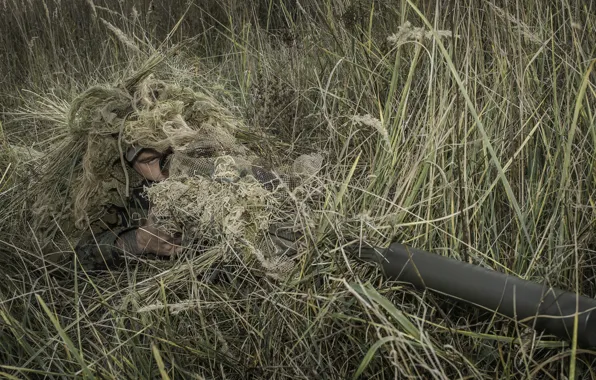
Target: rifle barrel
x=541 y=307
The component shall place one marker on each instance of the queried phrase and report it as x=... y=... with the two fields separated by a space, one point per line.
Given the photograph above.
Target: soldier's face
x=147 y=165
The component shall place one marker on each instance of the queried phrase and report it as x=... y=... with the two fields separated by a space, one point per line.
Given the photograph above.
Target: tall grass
x=469 y=133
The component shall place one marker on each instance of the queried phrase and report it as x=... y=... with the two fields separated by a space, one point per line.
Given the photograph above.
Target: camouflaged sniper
x=102 y=195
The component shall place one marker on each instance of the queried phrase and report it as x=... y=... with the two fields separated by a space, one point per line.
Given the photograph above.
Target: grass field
x=465 y=128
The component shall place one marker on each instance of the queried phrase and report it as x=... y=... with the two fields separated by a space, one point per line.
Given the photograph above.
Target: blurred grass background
x=465 y=128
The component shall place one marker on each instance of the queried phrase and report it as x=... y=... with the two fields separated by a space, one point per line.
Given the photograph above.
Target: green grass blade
x=371 y=293
x=160 y=364
x=485 y=138
x=65 y=338
x=370 y=354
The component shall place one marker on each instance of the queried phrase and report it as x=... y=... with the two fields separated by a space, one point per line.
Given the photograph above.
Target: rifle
x=537 y=305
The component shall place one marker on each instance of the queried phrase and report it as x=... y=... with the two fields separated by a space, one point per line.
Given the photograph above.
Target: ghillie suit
x=230 y=203
x=222 y=187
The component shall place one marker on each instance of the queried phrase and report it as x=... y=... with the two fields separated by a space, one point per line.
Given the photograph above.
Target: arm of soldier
x=106 y=249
